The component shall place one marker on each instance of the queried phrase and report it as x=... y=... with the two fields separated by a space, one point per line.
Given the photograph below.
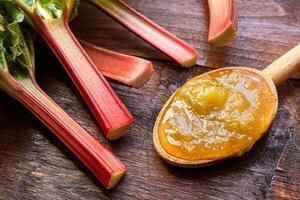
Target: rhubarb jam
x=217 y=115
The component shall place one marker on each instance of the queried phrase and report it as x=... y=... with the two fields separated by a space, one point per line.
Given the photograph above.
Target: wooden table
x=34 y=164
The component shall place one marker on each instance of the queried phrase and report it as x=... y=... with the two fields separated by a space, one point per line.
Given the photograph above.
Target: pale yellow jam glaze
x=216 y=115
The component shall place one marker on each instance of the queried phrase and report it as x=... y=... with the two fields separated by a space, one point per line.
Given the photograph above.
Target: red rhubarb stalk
x=128 y=70
x=17 y=79
x=107 y=168
x=52 y=23
x=223 y=22
x=152 y=33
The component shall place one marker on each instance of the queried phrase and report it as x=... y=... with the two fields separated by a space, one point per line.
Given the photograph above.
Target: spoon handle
x=296 y=75
x=285 y=66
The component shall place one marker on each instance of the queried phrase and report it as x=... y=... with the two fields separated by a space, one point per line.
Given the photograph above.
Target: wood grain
x=35 y=165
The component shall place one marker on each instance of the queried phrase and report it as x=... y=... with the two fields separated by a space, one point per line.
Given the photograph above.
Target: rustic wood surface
x=34 y=164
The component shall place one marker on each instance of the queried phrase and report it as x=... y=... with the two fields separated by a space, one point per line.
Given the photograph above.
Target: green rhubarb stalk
x=17 y=79
x=50 y=18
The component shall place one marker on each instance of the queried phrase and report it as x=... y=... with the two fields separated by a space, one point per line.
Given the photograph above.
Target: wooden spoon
x=275 y=74
x=296 y=75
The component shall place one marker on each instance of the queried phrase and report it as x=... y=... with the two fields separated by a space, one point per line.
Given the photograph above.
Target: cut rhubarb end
x=191 y=62
x=146 y=29
x=144 y=76
x=223 y=22
x=225 y=38
x=128 y=70
x=115 y=134
x=115 y=178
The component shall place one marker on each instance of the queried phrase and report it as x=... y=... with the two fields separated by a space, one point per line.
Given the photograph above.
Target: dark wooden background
x=34 y=164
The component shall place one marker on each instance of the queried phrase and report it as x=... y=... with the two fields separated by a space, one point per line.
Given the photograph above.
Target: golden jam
x=217 y=115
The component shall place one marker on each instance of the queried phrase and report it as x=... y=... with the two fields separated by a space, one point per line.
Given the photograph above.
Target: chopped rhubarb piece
x=223 y=22
x=128 y=70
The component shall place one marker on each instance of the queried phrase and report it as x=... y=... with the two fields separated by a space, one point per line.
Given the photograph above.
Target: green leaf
x=30 y=3
x=15 y=55
x=74 y=12
x=3 y=34
x=51 y=8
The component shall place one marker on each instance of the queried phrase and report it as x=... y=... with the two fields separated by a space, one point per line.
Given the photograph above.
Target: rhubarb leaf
x=73 y=6
x=50 y=8
x=3 y=33
x=74 y=12
x=15 y=54
x=3 y=63
x=29 y=2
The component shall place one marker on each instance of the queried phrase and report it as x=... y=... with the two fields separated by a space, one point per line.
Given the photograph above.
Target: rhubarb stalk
x=128 y=70
x=51 y=18
x=152 y=33
x=17 y=79
x=223 y=22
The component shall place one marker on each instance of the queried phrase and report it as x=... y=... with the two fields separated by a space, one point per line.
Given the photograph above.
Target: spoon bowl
x=275 y=74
